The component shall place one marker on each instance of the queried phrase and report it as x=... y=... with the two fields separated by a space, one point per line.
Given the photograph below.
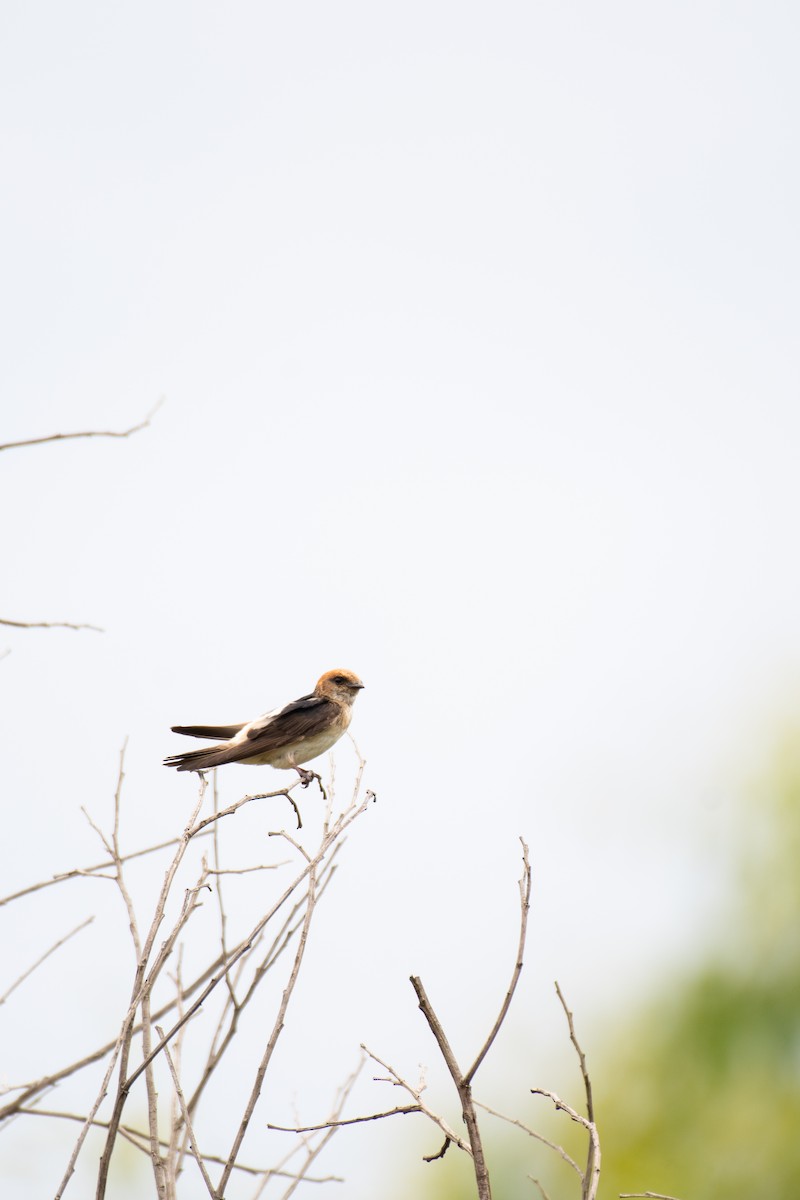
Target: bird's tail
x=217 y=733
x=199 y=760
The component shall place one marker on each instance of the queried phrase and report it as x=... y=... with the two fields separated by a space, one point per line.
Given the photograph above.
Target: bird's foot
x=306 y=777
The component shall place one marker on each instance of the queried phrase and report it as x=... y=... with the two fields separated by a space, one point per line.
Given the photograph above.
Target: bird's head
x=343 y=686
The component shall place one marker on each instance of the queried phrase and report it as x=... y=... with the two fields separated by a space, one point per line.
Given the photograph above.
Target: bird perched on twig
x=284 y=737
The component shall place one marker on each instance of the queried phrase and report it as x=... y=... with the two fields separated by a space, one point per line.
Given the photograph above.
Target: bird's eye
x=339 y=679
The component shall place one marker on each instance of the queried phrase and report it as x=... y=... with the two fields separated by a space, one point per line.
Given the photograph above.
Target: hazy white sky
x=477 y=328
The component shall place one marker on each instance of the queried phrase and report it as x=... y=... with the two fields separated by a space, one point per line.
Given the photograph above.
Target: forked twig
x=590 y=1178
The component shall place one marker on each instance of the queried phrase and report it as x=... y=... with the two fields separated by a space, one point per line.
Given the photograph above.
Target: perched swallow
x=283 y=738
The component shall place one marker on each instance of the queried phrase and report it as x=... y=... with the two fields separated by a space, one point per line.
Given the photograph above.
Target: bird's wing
x=218 y=733
x=301 y=719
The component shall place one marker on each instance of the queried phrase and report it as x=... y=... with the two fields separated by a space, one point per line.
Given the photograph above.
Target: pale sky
x=477 y=331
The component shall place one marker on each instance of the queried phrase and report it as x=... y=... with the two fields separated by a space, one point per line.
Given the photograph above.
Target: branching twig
x=397 y=1080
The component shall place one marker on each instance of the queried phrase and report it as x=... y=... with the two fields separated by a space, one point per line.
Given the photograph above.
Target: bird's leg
x=306 y=776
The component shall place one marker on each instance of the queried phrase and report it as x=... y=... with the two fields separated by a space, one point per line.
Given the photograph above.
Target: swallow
x=282 y=738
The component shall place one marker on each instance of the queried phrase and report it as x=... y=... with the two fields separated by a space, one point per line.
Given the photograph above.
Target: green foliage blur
x=702 y=1095
x=697 y=1094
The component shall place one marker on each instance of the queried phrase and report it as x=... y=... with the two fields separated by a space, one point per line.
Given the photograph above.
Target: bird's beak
x=357 y=686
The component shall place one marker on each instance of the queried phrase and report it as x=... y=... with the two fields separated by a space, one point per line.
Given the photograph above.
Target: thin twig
x=141 y=1141
x=344 y=821
x=525 y=904
x=45 y=956
x=273 y=1038
x=532 y=1133
x=392 y=1112
x=416 y=1092
x=649 y=1195
x=220 y=1041
x=90 y=872
x=33 y=1088
x=591 y=1180
x=542 y=1192
x=587 y=1083
x=136 y=996
x=62 y=437
x=313 y=1151
x=187 y=1119
x=47 y=624
x=233 y=808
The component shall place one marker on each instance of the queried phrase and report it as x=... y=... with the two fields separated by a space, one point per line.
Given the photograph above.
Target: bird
x=282 y=738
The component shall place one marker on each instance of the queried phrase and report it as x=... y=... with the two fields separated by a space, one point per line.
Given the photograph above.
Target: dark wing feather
x=300 y=711
x=218 y=733
x=304 y=718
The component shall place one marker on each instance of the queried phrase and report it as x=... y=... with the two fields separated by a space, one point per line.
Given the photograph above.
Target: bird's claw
x=306 y=777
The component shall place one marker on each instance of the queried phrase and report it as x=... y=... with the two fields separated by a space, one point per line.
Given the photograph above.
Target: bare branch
x=538 y=1136
x=392 y=1112
x=62 y=437
x=649 y=1195
x=187 y=1118
x=562 y=1106
x=525 y=903
x=581 y=1056
x=89 y=872
x=126 y=1033
x=416 y=1092
x=36 y=1087
x=542 y=1192
x=273 y=1038
x=243 y=966
x=141 y=1141
x=313 y=1150
x=343 y=822
x=462 y=1087
x=232 y=808
x=591 y=1180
